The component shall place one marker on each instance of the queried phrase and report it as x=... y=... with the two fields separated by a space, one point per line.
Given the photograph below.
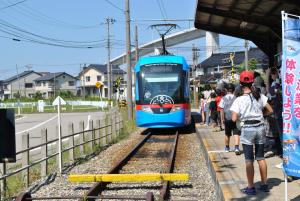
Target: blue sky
x=80 y=21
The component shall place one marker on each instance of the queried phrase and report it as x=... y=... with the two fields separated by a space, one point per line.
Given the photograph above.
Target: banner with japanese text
x=290 y=73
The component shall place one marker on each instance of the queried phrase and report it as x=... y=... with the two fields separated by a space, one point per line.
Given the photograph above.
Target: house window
x=5 y=86
x=28 y=85
x=71 y=83
x=87 y=78
x=38 y=84
x=98 y=77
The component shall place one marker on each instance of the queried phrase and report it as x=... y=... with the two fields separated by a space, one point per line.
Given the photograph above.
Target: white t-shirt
x=227 y=96
x=207 y=93
x=247 y=109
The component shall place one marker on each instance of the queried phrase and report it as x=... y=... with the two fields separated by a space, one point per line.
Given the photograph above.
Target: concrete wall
x=212 y=43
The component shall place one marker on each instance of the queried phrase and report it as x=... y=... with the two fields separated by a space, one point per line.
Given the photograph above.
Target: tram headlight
x=146 y=109
x=175 y=108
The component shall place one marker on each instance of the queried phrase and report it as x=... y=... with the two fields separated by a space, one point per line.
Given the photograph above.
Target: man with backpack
x=230 y=126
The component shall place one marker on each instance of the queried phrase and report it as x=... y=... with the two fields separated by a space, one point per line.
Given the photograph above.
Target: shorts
x=214 y=116
x=230 y=128
x=249 y=155
x=253 y=134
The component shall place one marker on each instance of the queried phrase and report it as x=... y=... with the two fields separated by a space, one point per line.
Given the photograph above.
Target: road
x=33 y=123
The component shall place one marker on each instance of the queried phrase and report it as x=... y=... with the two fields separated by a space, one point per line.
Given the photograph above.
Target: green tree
x=38 y=95
x=252 y=65
x=66 y=94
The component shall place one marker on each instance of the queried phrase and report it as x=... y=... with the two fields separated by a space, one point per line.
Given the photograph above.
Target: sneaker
x=249 y=191
x=237 y=151
x=264 y=188
x=227 y=149
x=269 y=154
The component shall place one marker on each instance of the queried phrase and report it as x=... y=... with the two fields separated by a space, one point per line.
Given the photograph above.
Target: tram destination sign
x=161 y=68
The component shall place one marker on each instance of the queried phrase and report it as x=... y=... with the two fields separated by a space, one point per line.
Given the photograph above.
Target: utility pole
x=136 y=51
x=128 y=60
x=136 y=44
x=54 y=85
x=246 y=54
x=19 y=93
x=109 y=21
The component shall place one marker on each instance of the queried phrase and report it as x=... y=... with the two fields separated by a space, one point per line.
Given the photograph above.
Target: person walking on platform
x=250 y=109
x=213 y=112
x=230 y=126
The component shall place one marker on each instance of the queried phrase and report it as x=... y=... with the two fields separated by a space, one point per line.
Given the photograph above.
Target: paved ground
x=231 y=175
x=33 y=123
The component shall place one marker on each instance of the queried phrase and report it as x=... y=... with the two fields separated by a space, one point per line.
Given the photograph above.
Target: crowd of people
x=250 y=111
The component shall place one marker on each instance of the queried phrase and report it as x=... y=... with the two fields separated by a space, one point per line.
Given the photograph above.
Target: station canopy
x=256 y=20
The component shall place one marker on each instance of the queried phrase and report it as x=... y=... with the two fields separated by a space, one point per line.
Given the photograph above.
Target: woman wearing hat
x=250 y=108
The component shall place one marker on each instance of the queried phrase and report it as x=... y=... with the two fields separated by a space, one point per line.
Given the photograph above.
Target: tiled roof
x=103 y=68
x=15 y=77
x=50 y=76
x=222 y=59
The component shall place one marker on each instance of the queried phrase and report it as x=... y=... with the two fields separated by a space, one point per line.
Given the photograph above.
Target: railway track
x=155 y=153
x=152 y=149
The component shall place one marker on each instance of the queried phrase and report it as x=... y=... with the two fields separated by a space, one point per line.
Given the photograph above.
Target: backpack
x=227 y=104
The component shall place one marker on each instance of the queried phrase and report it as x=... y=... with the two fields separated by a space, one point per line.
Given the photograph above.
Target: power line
x=115 y=6
x=26 y=36
x=38 y=16
x=11 y=5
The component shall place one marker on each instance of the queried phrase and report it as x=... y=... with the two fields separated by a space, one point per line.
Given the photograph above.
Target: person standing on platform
x=230 y=126
x=218 y=99
x=213 y=111
x=250 y=109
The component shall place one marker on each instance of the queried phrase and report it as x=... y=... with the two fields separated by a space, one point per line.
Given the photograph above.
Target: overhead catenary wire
x=161 y=10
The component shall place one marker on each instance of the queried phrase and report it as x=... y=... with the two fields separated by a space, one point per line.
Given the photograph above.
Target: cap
x=246 y=77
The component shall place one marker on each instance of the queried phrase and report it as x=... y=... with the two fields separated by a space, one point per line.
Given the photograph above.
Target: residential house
x=94 y=73
x=52 y=83
x=22 y=84
x=1 y=90
x=220 y=65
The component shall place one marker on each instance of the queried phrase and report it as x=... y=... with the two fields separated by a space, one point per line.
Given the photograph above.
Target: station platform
x=229 y=174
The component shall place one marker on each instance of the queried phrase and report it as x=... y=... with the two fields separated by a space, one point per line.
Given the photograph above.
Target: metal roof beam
x=253 y=7
x=293 y=2
x=266 y=21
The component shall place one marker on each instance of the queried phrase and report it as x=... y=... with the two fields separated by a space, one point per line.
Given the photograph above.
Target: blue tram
x=162 y=92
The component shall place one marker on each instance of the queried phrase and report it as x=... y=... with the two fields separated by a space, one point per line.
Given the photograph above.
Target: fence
x=31 y=107
x=99 y=134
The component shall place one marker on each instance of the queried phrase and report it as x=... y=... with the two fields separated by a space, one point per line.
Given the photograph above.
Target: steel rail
x=164 y=192
x=148 y=197
x=100 y=186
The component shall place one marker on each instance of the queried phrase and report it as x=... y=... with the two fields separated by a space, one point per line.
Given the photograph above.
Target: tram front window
x=160 y=80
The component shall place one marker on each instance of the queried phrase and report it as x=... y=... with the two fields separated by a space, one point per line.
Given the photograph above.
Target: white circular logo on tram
x=161 y=99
